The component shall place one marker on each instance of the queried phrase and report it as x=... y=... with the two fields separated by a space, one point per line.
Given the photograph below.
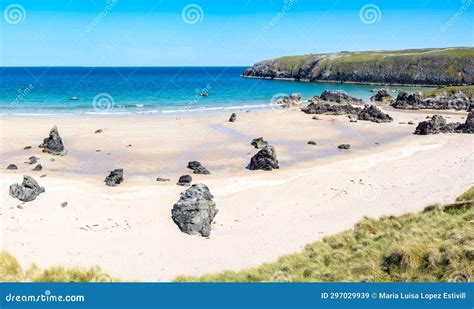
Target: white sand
x=127 y=230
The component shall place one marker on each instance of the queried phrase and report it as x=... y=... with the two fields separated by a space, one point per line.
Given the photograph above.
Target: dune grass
x=434 y=245
x=11 y=271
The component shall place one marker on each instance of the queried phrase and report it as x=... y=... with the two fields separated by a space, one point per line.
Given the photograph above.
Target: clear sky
x=213 y=33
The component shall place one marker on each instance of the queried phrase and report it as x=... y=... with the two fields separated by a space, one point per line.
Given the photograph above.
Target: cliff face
x=445 y=66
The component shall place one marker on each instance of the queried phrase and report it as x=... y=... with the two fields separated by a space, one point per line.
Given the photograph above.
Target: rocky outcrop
x=195 y=211
x=185 y=180
x=289 y=101
x=374 y=114
x=437 y=124
x=415 y=100
x=338 y=96
x=381 y=96
x=53 y=144
x=436 y=66
x=27 y=191
x=198 y=168
x=259 y=142
x=115 y=177
x=330 y=108
x=265 y=159
x=233 y=117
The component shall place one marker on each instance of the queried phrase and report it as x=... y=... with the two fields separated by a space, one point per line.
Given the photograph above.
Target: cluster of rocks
x=114 y=178
x=415 y=100
x=437 y=124
x=265 y=159
x=339 y=103
x=27 y=191
x=53 y=144
x=195 y=211
x=292 y=100
x=382 y=96
x=198 y=168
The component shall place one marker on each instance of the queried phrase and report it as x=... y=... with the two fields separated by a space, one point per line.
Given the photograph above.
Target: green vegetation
x=11 y=271
x=434 y=245
x=467 y=90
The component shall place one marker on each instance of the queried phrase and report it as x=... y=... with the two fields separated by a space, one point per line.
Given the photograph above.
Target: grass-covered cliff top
x=467 y=90
x=434 y=245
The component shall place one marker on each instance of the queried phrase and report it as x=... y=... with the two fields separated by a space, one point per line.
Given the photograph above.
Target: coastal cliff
x=440 y=66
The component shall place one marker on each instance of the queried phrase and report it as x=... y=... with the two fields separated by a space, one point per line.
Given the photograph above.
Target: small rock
x=259 y=142
x=311 y=143
x=44 y=175
x=97 y=150
x=184 y=180
x=233 y=117
x=12 y=167
x=265 y=159
x=344 y=146
x=53 y=144
x=410 y=122
x=129 y=145
x=99 y=131
x=316 y=118
x=19 y=206
x=115 y=177
x=162 y=179
x=198 y=168
x=33 y=160
x=52 y=159
x=27 y=147
x=38 y=167
x=63 y=204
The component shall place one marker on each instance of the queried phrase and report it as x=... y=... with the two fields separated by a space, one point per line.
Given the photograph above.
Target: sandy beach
x=127 y=230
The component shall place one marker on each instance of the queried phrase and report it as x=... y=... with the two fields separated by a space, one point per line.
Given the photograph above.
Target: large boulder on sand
x=53 y=144
x=374 y=114
x=195 y=211
x=27 y=191
x=265 y=159
x=338 y=96
x=381 y=95
x=436 y=124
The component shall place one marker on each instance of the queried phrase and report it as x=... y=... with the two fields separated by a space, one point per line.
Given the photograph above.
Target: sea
x=147 y=90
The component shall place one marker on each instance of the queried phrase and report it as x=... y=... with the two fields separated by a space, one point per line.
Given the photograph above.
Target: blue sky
x=228 y=33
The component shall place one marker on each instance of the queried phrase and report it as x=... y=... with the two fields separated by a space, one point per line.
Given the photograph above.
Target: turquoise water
x=147 y=90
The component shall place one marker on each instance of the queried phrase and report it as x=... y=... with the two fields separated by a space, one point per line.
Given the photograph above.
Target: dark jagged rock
x=115 y=177
x=185 y=180
x=27 y=191
x=38 y=167
x=12 y=167
x=292 y=100
x=259 y=142
x=195 y=211
x=233 y=117
x=344 y=146
x=53 y=144
x=198 y=168
x=265 y=159
x=374 y=114
x=382 y=95
x=161 y=179
x=330 y=108
x=414 y=100
x=338 y=96
x=437 y=124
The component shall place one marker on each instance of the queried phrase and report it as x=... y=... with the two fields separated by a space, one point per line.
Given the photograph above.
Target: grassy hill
x=446 y=91
x=434 y=245
x=433 y=66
